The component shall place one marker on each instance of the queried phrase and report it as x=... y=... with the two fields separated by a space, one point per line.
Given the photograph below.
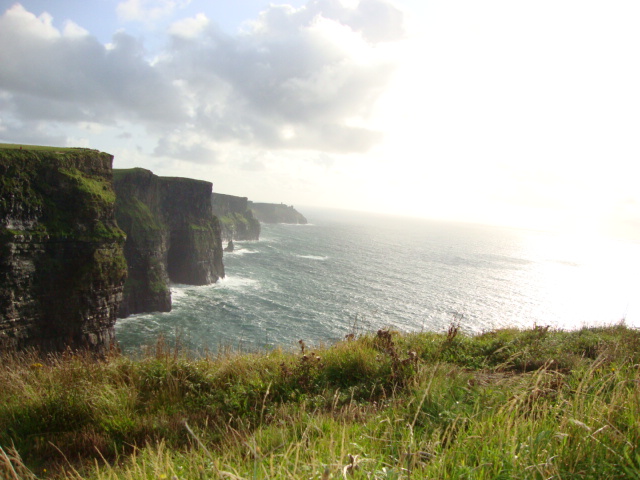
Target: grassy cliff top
x=13 y=146
x=57 y=193
x=512 y=404
x=122 y=172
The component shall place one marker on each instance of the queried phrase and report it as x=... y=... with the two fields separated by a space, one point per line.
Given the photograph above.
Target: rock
x=172 y=235
x=236 y=218
x=62 y=267
x=229 y=247
x=276 y=213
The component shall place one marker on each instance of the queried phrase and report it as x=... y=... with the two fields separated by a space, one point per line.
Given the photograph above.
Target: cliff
x=172 y=235
x=276 y=213
x=62 y=267
x=236 y=218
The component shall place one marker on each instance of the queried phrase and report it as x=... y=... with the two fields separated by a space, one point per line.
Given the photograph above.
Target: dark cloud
x=294 y=79
x=38 y=133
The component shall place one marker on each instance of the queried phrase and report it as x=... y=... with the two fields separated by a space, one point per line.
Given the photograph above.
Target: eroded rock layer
x=172 y=235
x=62 y=267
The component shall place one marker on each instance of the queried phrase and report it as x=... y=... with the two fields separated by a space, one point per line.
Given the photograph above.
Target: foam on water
x=312 y=257
x=239 y=251
x=236 y=283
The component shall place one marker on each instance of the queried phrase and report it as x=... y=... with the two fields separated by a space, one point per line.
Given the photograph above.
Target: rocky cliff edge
x=172 y=235
x=236 y=218
x=62 y=267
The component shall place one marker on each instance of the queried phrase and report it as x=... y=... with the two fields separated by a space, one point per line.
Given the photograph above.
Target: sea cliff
x=236 y=218
x=172 y=235
x=276 y=213
x=62 y=267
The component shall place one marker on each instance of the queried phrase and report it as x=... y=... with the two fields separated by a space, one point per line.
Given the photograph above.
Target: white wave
x=313 y=257
x=178 y=291
x=240 y=251
x=129 y=319
x=236 y=283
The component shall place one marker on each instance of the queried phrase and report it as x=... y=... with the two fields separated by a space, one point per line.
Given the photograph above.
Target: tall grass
x=515 y=404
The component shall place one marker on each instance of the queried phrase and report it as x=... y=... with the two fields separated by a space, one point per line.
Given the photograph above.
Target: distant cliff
x=62 y=267
x=276 y=213
x=172 y=234
x=236 y=219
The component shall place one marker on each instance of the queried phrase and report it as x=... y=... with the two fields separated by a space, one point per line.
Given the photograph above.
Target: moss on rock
x=62 y=267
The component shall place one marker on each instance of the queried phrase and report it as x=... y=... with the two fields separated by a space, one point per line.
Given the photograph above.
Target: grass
x=13 y=146
x=508 y=404
x=61 y=192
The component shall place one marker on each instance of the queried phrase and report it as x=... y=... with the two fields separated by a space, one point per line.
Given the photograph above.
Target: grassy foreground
x=508 y=404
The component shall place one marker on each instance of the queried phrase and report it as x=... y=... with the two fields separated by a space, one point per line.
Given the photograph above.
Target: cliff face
x=171 y=235
x=276 y=213
x=236 y=219
x=139 y=214
x=195 y=249
x=62 y=267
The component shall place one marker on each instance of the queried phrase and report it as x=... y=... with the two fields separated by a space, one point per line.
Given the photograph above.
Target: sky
x=508 y=112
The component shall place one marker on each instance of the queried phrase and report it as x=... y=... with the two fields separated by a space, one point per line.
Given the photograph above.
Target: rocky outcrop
x=172 y=235
x=62 y=267
x=276 y=213
x=236 y=218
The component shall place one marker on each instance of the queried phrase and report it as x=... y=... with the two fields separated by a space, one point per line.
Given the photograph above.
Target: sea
x=347 y=272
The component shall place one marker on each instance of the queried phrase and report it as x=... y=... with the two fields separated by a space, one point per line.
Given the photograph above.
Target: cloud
x=72 y=29
x=187 y=146
x=189 y=27
x=147 y=10
x=296 y=78
x=305 y=78
x=376 y=20
x=68 y=77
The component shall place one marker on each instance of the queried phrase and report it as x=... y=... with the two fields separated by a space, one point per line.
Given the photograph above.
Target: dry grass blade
x=11 y=466
x=351 y=467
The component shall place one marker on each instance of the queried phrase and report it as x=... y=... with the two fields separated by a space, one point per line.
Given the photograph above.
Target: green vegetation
x=508 y=404
x=42 y=148
x=200 y=227
x=122 y=173
x=136 y=217
x=57 y=192
x=234 y=218
x=97 y=188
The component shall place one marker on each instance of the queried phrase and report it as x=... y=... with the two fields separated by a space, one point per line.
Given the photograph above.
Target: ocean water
x=347 y=272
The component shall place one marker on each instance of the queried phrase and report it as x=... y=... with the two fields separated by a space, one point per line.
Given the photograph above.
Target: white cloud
x=189 y=27
x=17 y=18
x=303 y=70
x=72 y=29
